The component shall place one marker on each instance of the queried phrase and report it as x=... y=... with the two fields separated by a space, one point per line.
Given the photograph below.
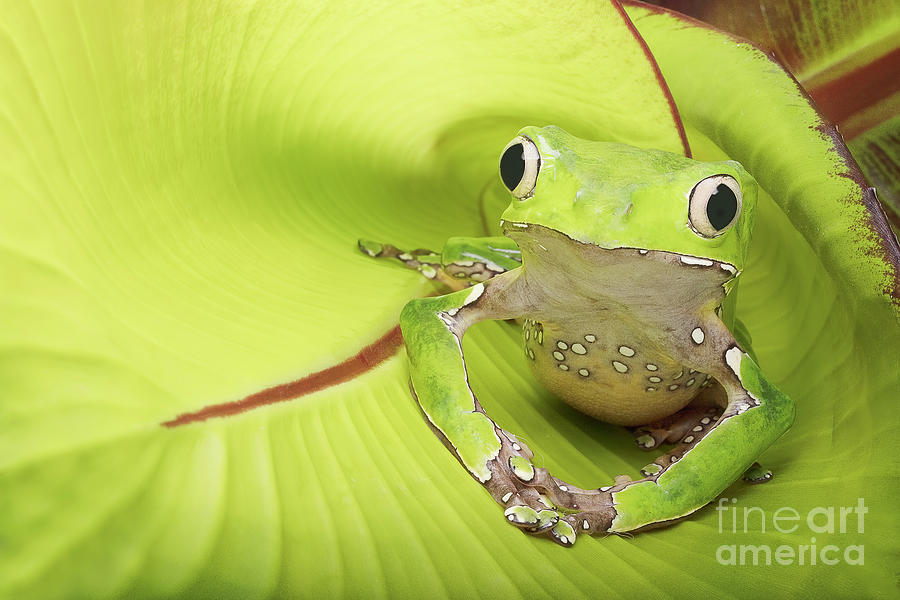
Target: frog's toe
x=757 y=474
x=563 y=533
x=370 y=248
x=527 y=516
x=648 y=439
x=522 y=515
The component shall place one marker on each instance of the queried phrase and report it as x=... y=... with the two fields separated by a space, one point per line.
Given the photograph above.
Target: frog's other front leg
x=462 y=261
x=433 y=330
x=425 y=261
x=706 y=462
x=696 y=417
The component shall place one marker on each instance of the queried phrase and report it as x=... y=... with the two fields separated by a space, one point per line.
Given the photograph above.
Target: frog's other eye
x=519 y=166
x=715 y=205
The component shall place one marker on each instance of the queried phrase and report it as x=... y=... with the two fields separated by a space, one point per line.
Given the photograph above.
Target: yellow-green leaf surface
x=183 y=185
x=182 y=188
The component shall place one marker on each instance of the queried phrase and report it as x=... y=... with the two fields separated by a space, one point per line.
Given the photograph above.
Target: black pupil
x=722 y=207
x=512 y=166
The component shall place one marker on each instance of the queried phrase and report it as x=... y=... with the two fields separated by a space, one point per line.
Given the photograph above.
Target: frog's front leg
x=433 y=330
x=462 y=261
x=706 y=462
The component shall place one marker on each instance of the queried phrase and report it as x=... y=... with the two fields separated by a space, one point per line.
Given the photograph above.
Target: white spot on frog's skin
x=652 y=367
x=516 y=447
x=506 y=497
x=464 y=263
x=678 y=376
x=654 y=379
x=475 y=294
x=590 y=338
x=698 y=336
x=584 y=372
x=673 y=387
x=522 y=225
x=689 y=382
x=578 y=348
x=698 y=427
x=428 y=272
x=562 y=345
x=563 y=367
x=651 y=389
x=527 y=334
x=689 y=439
x=452 y=312
x=705 y=420
x=559 y=355
x=531 y=354
x=564 y=488
x=606 y=488
x=729 y=268
x=643 y=251
x=733 y=357
x=693 y=260
x=626 y=351
x=405 y=256
x=620 y=367
x=584 y=525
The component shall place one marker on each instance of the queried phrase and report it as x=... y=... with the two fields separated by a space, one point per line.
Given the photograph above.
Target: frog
x=621 y=264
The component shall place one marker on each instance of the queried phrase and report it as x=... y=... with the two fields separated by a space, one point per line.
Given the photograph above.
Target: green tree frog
x=618 y=262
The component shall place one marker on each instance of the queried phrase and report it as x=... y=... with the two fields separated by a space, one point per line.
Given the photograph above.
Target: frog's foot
x=696 y=418
x=541 y=504
x=757 y=474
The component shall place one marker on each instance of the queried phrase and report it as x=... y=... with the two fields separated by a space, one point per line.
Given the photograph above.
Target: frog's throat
x=516 y=232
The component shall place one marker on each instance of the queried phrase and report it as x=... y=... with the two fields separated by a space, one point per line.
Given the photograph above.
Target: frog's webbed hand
x=433 y=330
x=463 y=260
x=707 y=461
x=425 y=261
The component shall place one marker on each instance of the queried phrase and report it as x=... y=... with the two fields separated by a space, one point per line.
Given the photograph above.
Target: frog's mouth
x=541 y=243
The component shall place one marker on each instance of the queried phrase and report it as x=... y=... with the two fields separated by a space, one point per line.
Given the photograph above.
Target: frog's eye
x=715 y=205
x=519 y=166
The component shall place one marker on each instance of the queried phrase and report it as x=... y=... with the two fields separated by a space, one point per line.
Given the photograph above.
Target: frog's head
x=618 y=196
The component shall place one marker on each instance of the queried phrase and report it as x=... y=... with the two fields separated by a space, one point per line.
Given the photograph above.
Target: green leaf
x=878 y=153
x=182 y=188
x=185 y=188
x=846 y=53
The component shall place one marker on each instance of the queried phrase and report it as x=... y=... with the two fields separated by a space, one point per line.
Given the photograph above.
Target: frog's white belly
x=611 y=372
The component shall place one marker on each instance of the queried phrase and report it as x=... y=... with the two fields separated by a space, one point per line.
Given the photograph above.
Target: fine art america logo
x=821 y=520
